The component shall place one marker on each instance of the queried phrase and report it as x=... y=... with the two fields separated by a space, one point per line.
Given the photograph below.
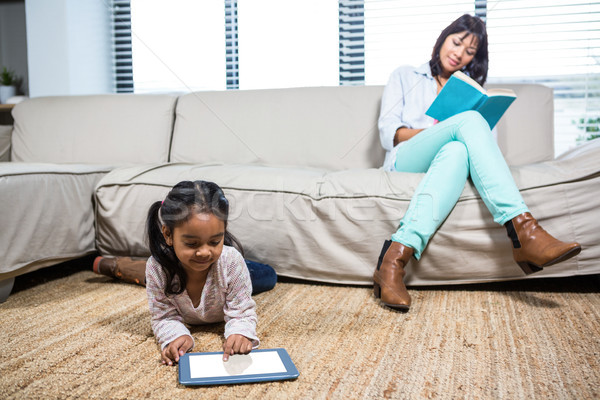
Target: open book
x=461 y=93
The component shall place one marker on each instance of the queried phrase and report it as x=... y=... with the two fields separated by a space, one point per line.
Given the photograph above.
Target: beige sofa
x=54 y=155
x=301 y=170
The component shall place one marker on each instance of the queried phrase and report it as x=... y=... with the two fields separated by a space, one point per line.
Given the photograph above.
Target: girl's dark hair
x=478 y=67
x=183 y=201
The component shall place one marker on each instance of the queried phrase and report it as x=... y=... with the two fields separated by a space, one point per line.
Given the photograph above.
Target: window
x=554 y=43
x=179 y=47
x=404 y=32
x=213 y=45
x=288 y=43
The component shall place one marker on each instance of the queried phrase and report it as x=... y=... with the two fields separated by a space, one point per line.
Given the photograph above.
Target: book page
x=465 y=78
x=501 y=92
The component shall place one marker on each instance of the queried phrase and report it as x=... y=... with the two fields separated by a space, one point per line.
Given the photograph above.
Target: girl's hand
x=236 y=344
x=178 y=347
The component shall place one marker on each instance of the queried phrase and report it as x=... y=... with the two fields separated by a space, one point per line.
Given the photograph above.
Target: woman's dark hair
x=478 y=67
x=186 y=199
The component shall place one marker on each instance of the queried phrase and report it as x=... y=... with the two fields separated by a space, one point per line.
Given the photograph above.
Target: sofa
x=301 y=168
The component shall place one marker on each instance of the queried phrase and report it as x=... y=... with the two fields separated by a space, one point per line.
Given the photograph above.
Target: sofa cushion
x=526 y=131
x=329 y=226
x=46 y=214
x=332 y=128
x=125 y=194
x=102 y=129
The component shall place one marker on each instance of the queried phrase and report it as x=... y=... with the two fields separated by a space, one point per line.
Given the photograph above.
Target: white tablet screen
x=212 y=365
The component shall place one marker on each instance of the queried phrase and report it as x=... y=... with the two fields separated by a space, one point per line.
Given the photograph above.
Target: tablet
x=257 y=366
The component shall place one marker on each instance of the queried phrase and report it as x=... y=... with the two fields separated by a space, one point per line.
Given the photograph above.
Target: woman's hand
x=403 y=134
x=178 y=347
x=236 y=344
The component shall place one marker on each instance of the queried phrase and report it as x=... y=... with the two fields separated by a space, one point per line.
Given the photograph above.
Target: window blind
x=231 y=45
x=551 y=42
x=121 y=33
x=554 y=43
x=352 y=42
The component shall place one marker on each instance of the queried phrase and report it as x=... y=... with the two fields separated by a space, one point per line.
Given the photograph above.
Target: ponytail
x=163 y=253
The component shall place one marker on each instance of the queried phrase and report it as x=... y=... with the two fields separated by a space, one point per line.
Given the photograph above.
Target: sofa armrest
x=5 y=138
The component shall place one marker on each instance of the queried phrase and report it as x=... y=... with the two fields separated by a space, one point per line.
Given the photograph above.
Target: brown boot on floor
x=123 y=268
x=388 y=279
x=533 y=247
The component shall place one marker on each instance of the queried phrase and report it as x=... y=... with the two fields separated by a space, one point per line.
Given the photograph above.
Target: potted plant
x=8 y=84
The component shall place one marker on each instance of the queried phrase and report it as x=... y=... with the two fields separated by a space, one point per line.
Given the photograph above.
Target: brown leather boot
x=388 y=284
x=123 y=268
x=533 y=247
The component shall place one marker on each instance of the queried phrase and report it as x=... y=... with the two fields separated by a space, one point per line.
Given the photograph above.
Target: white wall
x=69 y=47
x=13 y=40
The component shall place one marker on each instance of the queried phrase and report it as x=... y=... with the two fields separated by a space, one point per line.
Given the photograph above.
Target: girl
x=195 y=274
x=450 y=152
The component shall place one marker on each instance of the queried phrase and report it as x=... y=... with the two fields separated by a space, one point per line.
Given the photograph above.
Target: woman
x=450 y=152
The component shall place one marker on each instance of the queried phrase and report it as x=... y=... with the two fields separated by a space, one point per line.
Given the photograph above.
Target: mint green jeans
x=450 y=152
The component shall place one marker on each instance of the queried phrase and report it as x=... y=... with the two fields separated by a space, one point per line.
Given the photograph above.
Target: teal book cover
x=461 y=93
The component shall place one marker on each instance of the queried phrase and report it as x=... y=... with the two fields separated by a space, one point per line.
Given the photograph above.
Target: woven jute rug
x=86 y=336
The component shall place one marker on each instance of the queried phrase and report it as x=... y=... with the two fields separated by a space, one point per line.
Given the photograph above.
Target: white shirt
x=407 y=95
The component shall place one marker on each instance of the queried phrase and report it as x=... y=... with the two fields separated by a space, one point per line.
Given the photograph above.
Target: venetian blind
x=121 y=33
x=554 y=43
x=551 y=42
